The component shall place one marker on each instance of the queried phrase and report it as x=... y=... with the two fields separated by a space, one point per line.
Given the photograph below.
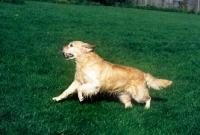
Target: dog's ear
x=87 y=48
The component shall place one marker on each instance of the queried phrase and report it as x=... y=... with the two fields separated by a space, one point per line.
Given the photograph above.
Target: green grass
x=32 y=69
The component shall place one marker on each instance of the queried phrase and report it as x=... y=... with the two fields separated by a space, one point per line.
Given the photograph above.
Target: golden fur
x=93 y=74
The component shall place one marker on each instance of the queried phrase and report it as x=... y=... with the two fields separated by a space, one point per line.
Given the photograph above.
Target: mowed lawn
x=32 y=69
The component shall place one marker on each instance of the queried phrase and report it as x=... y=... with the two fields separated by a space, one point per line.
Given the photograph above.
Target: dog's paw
x=80 y=98
x=56 y=99
x=128 y=105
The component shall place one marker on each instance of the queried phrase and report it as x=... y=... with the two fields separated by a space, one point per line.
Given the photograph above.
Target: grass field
x=32 y=69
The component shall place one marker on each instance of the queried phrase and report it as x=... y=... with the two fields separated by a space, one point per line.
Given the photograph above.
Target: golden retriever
x=93 y=75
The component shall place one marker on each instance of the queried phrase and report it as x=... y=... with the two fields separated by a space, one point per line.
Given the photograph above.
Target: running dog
x=94 y=75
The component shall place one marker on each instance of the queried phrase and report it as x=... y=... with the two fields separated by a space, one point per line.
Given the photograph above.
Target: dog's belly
x=108 y=87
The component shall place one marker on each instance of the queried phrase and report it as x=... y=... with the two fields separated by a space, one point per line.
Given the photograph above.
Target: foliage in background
x=121 y=3
x=13 y=1
x=33 y=70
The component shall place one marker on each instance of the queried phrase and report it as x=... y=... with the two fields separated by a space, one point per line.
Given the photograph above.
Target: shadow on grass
x=157 y=99
x=95 y=98
x=108 y=98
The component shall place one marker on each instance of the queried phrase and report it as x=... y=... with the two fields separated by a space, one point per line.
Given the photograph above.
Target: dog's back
x=116 y=77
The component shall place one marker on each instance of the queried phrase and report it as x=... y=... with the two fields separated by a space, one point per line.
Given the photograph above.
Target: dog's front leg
x=88 y=89
x=71 y=89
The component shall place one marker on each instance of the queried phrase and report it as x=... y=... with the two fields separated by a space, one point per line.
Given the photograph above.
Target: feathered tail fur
x=155 y=83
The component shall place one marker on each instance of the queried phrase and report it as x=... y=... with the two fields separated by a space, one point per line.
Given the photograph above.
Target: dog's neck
x=87 y=59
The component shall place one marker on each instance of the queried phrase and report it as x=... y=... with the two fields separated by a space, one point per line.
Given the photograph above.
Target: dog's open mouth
x=68 y=55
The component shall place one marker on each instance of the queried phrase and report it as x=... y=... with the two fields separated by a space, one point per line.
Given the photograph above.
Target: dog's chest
x=84 y=76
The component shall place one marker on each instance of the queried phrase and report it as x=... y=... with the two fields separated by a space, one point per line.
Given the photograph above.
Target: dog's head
x=76 y=49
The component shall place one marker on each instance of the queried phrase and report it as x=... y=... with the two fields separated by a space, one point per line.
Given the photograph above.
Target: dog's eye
x=71 y=45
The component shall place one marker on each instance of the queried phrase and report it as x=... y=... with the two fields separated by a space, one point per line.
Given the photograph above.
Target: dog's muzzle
x=68 y=55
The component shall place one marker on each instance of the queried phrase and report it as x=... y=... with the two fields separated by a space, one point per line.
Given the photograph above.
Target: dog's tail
x=156 y=84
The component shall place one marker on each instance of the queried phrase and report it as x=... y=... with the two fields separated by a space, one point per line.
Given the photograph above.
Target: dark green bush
x=14 y=1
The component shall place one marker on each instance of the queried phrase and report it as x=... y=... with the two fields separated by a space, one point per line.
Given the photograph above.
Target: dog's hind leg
x=125 y=98
x=141 y=95
x=87 y=89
